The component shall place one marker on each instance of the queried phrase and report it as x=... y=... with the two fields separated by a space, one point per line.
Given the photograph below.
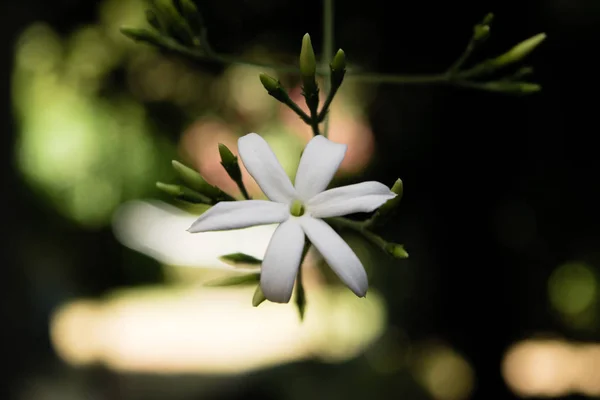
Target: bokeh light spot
x=572 y=288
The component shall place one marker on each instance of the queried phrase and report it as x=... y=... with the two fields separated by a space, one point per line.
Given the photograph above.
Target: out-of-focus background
x=101 y=287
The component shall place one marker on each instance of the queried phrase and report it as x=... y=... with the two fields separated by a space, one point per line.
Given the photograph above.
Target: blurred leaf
x=194 y=208
x=300 y=298
x=259 y=297
x=240 y=260
x=234 y=280
x=141 y=35
x=182 y=193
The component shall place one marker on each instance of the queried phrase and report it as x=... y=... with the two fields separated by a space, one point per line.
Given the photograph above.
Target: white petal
x=361 y=197
x=281 y=262
x=262 y=164
x=320 y=160
x=228 y=215
x=337 y=253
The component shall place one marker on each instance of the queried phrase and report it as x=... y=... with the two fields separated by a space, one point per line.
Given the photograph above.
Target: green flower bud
x=230 y=163
x=338 y=70
x=522 y=73
x=274 y=88
x=153 y=20
x=396 y=250
x=527 y=87
x=398 y=188
x=173 y=190
x=195 y=181
x=391 y=204
x=188 y=10
x=166 y=9
x=520 y=51
x=339 y=61
x=308 y=65
x=487 y=20
x=513 y=87
x=227 y=156
x=481 y=33
x=182 y=193
x=388 y=206
x=175 y=24
x=271 y=84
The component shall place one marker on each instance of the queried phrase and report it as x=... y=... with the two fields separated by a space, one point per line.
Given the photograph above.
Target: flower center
x=297 y=208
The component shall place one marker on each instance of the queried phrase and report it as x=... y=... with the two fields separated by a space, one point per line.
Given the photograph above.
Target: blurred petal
x=240 y=214
x=281 y=262
x=337 y=253
x=361 y=197
x=319 y=163
x=262 y=164
x=158 y=230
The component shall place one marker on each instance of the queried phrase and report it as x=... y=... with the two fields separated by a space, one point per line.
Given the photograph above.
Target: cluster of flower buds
x=194 y=188
x=310 y=87
x=176 y=20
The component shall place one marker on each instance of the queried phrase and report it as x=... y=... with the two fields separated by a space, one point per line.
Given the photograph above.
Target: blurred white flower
x=158 y=230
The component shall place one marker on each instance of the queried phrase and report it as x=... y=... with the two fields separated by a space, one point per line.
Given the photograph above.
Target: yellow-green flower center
x=297 y=208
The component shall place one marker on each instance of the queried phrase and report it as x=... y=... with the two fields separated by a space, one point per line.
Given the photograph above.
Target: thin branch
x=393 y=249
x=324 y=113
x=200 y=54
x=461 y=79
x=328 y=43
x=358 y=227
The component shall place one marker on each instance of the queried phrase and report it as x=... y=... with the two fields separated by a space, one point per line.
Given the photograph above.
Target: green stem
x=314 y=124
x=300 y=293
x=328 y=43
x=198 y=54
x=361 y=228
x=313 y=105
x=294 y=107
x=324 y=114
x=460 y=79
x=463 y=58
x=397 y=79
x=242 y=187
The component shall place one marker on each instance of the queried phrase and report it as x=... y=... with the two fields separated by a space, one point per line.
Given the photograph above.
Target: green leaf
x=259 y=297
x=240 y=260
x=237 y=280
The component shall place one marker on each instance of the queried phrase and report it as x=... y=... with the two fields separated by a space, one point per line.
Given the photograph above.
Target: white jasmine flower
x=299 y=210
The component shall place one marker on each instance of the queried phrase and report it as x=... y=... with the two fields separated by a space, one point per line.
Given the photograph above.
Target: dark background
x=475 y=164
